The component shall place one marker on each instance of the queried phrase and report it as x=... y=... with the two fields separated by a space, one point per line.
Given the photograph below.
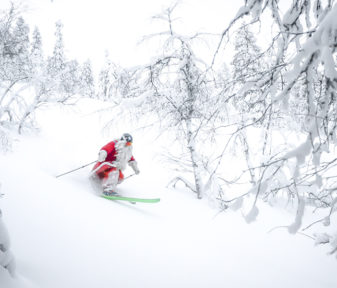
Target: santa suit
x=114 y=157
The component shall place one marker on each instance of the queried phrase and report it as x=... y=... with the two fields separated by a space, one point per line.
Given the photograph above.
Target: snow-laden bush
x=6 y=257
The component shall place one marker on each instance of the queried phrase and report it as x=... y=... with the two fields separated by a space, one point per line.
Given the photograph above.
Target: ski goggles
x=128 y=139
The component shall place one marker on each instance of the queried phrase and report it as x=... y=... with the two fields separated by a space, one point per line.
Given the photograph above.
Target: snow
x=63 y=235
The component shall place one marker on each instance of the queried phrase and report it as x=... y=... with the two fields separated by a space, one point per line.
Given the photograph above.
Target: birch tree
x=176 y=87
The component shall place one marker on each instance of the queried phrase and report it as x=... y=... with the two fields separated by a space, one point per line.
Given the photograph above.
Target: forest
x=271 y=109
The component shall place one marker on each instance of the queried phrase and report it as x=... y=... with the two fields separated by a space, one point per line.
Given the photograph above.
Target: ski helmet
x=127 y=137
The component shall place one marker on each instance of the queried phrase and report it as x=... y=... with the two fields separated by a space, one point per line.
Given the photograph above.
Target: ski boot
x=110 y=193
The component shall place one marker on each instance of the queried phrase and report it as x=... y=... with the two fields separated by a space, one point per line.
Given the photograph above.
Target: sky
x=92 y=27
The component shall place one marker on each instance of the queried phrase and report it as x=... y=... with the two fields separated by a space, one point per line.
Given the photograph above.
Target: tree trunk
x=195 y=161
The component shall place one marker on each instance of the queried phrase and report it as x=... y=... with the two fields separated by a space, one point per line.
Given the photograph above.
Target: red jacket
x=110 y=148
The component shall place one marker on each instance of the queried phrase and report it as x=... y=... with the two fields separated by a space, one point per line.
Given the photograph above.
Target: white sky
x=92 y=27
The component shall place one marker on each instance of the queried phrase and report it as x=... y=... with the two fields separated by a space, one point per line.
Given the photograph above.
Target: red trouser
x=104 y=171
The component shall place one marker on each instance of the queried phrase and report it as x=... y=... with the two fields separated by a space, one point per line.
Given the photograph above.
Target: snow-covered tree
x=124 y=82
x=104 y=79
x=26 y=82
x=304 y=41
x=248 y=68
x=63 y=73
x=70 y=78
x=21 y=47
x=36 y=52
x=176 y=87
x=114 y=82
x=15 y=48
x=14 y=69
x=87 y=83
x=56 y=63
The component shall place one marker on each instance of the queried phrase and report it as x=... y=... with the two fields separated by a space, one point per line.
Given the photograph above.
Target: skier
x=112 y=160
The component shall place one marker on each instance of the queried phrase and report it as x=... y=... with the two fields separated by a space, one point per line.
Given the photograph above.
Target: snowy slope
x=63 y=235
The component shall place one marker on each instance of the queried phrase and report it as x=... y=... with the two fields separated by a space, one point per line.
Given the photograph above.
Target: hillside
x=64 y=235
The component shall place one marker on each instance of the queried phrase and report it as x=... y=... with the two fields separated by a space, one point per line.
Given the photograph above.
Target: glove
x=134 y=166
x=102 y=155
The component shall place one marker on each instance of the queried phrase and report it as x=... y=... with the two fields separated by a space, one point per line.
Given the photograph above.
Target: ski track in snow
x=63 y=235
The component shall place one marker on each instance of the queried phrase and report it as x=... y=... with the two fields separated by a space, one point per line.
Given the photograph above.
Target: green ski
x=131 y=199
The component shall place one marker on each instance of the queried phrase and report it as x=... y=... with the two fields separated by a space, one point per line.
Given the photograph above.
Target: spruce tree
x=20 y=48
x=56 y=63
x=37 y=58
x=248 y=67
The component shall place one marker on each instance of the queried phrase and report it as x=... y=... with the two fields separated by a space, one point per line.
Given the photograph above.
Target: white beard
x=124 y=154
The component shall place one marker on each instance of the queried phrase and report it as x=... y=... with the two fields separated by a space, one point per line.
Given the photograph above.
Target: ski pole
x=76 y=169
x=129 y=176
